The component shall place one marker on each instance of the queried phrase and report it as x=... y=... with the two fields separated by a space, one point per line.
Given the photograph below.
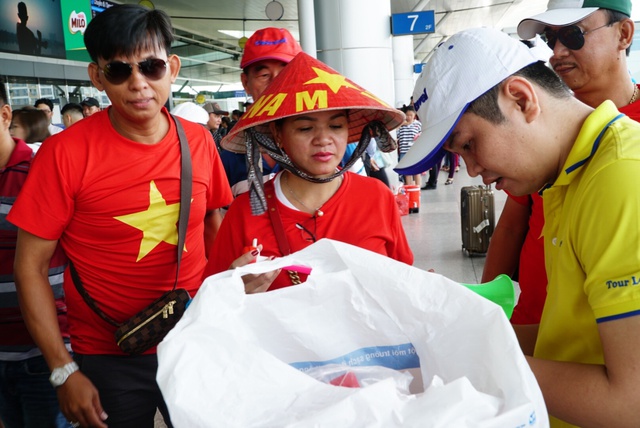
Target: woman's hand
x=259 y=283
x=255 y=283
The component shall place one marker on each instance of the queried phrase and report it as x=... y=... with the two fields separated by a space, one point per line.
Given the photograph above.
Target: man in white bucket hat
x=590 y=41
x=489 y=98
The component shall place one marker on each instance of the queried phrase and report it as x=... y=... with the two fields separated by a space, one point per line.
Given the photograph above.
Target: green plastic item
x=500 y=291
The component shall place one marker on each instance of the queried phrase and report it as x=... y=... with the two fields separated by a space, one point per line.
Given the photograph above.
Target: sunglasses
x=118 y=72
x=307 y=234
x=571 y=36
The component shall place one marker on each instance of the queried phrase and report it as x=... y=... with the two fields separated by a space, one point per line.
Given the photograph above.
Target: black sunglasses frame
x=307 y=234
x=117 y=72
x=571 y=36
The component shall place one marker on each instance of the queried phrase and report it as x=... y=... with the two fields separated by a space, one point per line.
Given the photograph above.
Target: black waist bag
x=148 y=327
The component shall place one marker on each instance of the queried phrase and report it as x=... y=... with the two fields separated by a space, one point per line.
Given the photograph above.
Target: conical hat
x=307 y=85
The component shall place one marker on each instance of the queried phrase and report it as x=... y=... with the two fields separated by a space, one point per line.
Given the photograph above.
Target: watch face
x=58 y=376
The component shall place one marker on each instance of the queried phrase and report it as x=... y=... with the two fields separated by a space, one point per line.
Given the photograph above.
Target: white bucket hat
x=462 y=68
x=192 y=112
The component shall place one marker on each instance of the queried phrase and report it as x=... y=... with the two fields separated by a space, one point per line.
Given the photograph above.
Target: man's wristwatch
x=59 y=375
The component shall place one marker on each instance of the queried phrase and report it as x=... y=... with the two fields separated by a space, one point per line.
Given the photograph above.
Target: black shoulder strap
x=186 y=180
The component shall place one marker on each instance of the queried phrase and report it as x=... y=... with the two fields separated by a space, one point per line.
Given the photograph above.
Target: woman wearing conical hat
x=304 y=120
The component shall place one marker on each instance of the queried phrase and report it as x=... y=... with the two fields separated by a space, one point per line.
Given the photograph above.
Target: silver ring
x=75 y=424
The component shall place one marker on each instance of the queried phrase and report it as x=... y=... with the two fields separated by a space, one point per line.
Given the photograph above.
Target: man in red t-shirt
x=595 y=68
x=109 y=190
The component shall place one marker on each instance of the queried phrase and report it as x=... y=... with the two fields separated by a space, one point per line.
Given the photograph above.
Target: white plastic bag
x=233 y=360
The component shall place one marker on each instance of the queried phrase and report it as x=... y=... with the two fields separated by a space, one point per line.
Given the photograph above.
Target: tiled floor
x=434 y=233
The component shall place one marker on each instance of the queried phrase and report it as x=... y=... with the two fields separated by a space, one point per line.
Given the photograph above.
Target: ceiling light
x=147 y=3
x=274 y=10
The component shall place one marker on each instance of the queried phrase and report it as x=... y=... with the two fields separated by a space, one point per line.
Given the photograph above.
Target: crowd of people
x=110 y=244
x=554 y=127
x=33 y=124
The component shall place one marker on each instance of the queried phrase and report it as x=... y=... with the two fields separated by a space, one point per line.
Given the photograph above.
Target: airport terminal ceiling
x=208 y=34
x=208 y=31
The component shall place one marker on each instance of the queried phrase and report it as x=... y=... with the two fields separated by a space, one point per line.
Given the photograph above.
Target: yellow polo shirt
x=592 y=239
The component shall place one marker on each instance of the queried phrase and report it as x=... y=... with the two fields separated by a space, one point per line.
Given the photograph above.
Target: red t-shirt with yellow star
x=351 y=215
x=113 y=204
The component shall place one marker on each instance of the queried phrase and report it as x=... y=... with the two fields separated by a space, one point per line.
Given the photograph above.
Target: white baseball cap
x=192 y=112
x=461 y=69
x=567 y=12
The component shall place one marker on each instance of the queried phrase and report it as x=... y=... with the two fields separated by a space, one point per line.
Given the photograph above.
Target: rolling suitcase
x=477 y=211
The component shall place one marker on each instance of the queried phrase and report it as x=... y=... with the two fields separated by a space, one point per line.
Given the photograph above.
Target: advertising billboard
x=98 y=6
x=32 y=27
x=76 y=15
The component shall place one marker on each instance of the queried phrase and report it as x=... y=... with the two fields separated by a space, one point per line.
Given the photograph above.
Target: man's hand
x=80 y=402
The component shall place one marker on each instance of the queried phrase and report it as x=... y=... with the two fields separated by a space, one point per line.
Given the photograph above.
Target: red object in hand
x=348 y=380
x=251 y=249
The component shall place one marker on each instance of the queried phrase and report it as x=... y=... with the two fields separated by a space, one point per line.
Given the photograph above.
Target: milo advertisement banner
x=76 y=15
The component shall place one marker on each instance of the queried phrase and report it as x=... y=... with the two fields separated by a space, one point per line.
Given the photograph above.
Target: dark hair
x=486 y=105
x=71 y=107
x=615 y=16
x=126 y=30
x=3 y=94
x=46 y=101
x=34 y=121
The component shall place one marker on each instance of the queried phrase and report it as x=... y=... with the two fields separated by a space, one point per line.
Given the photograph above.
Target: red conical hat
x=305 y=85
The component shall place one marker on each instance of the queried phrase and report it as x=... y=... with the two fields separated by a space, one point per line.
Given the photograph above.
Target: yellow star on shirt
x=333 y=81
x=157 y=223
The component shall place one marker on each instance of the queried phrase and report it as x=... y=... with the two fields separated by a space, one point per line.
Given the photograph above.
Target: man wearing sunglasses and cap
x=110 y=190
x=518 y=126
x=590 y=41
